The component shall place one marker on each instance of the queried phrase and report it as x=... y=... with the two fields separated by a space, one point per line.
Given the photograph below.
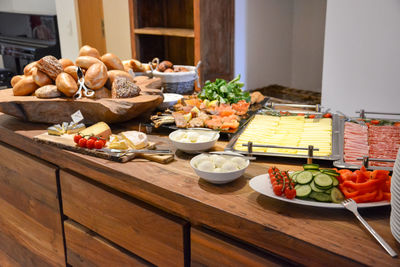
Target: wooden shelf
x=178 y=32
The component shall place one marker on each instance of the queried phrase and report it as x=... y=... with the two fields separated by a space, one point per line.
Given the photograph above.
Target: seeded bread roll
x=112 y=62
x=48 y=91
x=123 y=88
x=113 y=74
x=50 y=66
x=40 y=78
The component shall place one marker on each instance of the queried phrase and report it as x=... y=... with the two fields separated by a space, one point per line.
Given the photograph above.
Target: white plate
x=262 y=185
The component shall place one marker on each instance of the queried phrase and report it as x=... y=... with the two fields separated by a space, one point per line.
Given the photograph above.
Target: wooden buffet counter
x=58 y=206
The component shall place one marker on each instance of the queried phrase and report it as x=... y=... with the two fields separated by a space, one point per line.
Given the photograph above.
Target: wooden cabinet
x=211 y=249
x=184 y=32
x=129 y=223
x=85 y=248
x=30 y=220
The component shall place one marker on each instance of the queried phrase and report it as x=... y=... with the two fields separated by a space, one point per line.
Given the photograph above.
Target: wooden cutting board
x=66 y=142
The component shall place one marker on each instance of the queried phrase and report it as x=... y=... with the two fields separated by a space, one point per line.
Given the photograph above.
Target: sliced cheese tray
x=289 y=134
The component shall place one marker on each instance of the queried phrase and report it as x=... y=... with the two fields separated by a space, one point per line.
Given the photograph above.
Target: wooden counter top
x=304 y=235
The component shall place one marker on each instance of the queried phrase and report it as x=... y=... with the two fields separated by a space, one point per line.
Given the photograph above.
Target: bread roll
x=66 y=84
x=28 y=68
x=112 y=62
x=165 y=65
x=50 y=66
x=40 y=78
x=123 y=88
x=25 y=86
x=137 y=66
x=112 y=74
x=87 y=50
x=101 y=93
x=72 y=70
x=48 y=91
x=16 y=79
x=65 y=62
x=86 y=61
x=96 y=76
x=169 y=70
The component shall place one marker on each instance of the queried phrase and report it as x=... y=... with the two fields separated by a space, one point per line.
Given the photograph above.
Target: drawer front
x=30 y=218
x=85 y=248
x=209 y=250
x=125 y=222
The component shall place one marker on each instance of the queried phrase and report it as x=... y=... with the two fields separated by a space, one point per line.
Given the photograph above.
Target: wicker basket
x=179 y=82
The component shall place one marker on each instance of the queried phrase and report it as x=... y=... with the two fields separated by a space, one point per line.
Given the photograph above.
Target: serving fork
x=351 y=205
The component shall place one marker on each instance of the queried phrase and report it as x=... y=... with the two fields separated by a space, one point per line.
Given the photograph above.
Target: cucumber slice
x=336 y=195
x=311 y=167
x=323 y=181
x=321 y=197
x=335 y=181
x=328 y=191
x=330 y=172
x=314 y=188
x=294 y=174
x=304 y=177
x=315 y=172
x=302 y=191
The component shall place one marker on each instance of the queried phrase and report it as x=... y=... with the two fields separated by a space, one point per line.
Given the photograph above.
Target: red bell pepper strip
x=348 y=192
x=387 y=196
x=365 y=197
x=379 y=196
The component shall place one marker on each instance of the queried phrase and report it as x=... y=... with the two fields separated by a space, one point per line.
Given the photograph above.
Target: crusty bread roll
x=137 y=66
x=169 y=70
x=112 y=62
x=40 y=78
x=16 y=79
x=66 y=84
x=86 y=61
x=25 y=86
x=72 y=70
x=123 y=88
x=165 y=65
x=65 y=62
x=48 y=91
x=28 y=68
x=101 y=93
x=96 y=76
x=112 y=74
x=87 y=50
x=50 y=66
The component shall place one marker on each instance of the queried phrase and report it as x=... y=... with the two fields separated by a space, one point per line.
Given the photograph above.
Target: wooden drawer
x=85 y=248
x=30 y=217
x=124 y=221
x=210 y=249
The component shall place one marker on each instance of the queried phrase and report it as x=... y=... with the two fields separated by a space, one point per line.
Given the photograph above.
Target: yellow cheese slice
x=100 y=129
x=135 y=139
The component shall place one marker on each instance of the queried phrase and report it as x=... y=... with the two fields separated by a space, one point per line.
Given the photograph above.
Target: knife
x=143 y=151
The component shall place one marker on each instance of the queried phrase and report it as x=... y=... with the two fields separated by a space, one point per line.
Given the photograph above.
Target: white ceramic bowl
x=194 y=147
x=218 y=177
x=170 y=99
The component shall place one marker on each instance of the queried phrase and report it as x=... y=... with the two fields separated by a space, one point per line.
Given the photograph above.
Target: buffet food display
x=221 y=106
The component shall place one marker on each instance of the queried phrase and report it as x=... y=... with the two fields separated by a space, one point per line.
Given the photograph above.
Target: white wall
x=240 y=40
x=117 y=28
x=68 y=26
x=43 y=7
x=269 y=37
x=308 y=44
x=362 y=56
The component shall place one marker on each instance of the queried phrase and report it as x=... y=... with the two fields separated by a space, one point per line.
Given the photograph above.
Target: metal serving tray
x=336 y=154
x=340 y=163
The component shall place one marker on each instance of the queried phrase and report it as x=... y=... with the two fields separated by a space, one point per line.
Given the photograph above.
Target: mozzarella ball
x=179 y=135
x=229 y=166
x=218 y=160
x=206 y=166
x=203 y=138
x=199 y=159
x=239 y=161
x=192 y=136
x=217 y=170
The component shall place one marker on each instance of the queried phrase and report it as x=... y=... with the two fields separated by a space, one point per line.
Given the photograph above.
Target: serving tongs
x=310 y=149
x=123 y=152
x=82 y=87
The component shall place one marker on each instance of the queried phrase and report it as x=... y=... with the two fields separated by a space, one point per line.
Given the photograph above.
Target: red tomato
x=76 y=138
x=397 y=124
x=94 y=138
x=278 y=189
x=328 y=115
x=82 y=142
x=104 y=141
x=290 y=193
x=300 y=114
x=90 y=143
x=375 y=122
x=312 y=116
x=98 y=144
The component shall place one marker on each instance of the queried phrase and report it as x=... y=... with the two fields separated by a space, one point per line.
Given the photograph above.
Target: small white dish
x=218 y=177
x=195 y=147
x=170 y=99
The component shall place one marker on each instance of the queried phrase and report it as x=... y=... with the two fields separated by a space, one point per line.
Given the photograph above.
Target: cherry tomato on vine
x=278 y=189
x=76 y=138
x=98 y=144
x=328 y=115
x=90 y=143
x=312 y=116
x=290 y=193
x=82 y=142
